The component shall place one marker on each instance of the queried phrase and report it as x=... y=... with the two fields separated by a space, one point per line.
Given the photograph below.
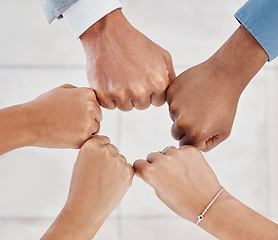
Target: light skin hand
x=100 y=179
x=124 y=67
x=185 y=182
x=203 y=100
x=64 y=117
x=182 y=179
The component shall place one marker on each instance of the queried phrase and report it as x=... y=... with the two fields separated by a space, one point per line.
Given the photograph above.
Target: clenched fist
x=182 y=179
x=64 y=117
x=124 y=67
x=203 y=100
x=101 y=177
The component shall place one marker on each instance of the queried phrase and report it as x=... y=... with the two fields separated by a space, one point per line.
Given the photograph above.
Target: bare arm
x=230 y=219
x=184 y=181
x=14 y=128
x=101 y=177
x=203 y=100
x=64 y=117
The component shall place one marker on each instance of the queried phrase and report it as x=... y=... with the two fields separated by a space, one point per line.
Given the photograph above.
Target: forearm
x=73 y=223
x=14 y=128
x=228 y=219
x=239 y=59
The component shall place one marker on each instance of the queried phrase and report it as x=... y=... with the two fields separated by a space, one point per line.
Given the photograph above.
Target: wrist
x=112 y=21
x=27 y=136
x=219 y=214
x=73 y=224
x=29 y=114
x=239 y=59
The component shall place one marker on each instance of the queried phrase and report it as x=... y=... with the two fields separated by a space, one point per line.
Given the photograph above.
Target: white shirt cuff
x=84 y=13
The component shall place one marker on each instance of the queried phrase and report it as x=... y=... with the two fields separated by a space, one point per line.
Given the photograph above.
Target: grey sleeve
x=54 y=8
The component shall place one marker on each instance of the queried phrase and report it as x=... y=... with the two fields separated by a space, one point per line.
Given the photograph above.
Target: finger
x=125 y=106
x=139 y=167
x=131 y=171
x=194 y=140
x=95 y=127
x=213 y=142
x=97 y=113
x=122 y=157
x=177 y=132
x=101 y=139
x=121 y=99
x=141 y=103
x=171 y=72
x=105 y=101
x=158 y=99
x=91 y=93
x=113 y=148
x=160 y=84
x=170 y=68
x=170 y=151
x=153 y=157
x=67 y=86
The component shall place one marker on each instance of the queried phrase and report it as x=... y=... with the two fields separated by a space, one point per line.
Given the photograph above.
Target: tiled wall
x=35 y=57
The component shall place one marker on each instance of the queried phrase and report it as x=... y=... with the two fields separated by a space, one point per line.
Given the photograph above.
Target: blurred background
x=36 y=57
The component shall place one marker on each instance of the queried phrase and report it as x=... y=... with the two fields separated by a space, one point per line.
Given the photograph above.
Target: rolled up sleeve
x=260 y=17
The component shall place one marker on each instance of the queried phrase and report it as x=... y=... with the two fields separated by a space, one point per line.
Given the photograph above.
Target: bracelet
x=201 y=217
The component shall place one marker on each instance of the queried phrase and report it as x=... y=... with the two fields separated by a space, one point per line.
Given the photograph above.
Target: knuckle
x=89 y=106
x=227 y=133
x=180 y=122
x=139 y=92
x=147 y=171
x=85 y=133
x=90 y=144
x=171 y=92
x=191 y=150
x=173 y=108
x=95 y=129
x=167 y=53
x=117 y=94
x=161 y=83
x=100 y=139
x=199 y=134
x=130 y=171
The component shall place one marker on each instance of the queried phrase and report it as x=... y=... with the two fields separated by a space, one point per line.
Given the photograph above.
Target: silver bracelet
x=201 y=217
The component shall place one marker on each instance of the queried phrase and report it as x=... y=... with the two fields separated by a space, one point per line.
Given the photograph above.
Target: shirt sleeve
x=260 y=17
x=84 y=13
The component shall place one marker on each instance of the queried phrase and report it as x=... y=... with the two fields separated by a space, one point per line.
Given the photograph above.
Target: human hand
x=182 y=179
x=202 y=107
x=101 y=177
x=64 y=117
x=203 y=100
x=124 y=67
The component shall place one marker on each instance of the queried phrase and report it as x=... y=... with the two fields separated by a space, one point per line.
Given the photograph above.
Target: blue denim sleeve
x=260 y=17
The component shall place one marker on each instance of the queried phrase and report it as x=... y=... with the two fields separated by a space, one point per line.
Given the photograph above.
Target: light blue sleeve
x=260 y=17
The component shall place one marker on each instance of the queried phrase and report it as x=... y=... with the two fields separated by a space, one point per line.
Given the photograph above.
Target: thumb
x=140 y=167
x=171 y=71
x=67 y=86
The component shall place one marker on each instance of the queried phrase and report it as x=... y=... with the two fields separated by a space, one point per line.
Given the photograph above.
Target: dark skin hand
x=203 y=100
